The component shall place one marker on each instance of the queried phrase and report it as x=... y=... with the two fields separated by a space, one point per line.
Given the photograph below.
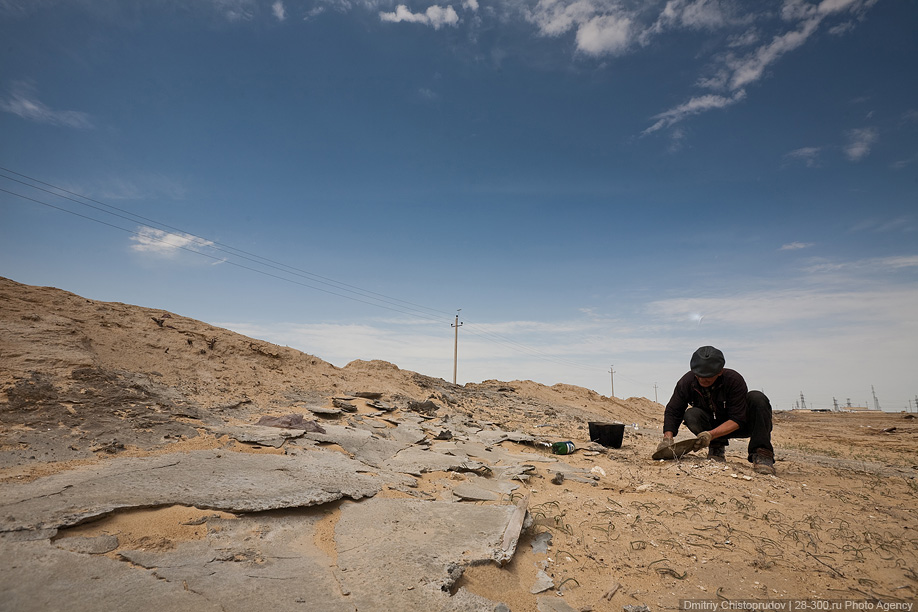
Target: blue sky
x=596 y=183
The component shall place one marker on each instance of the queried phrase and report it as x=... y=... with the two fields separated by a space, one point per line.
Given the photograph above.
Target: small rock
x=543 y=583
x=558 y=478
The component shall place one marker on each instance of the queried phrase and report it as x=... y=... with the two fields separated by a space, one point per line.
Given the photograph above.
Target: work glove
x=664 y=443
x=702 y=441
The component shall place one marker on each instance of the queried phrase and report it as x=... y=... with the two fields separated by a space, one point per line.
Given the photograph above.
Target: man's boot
x=717 y=453
x=763 y=462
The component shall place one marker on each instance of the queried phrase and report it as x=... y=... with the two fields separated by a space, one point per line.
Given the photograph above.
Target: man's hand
x=664 y=443
x=703 y=440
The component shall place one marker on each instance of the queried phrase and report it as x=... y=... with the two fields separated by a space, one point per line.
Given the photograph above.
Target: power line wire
x=380 y=300
x=254 y=258
x=219 y=259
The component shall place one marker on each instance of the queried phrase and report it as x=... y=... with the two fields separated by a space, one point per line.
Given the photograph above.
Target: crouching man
x=715 y=404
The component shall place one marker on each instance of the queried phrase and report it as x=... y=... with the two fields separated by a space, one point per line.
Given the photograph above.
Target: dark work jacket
x=725 y=400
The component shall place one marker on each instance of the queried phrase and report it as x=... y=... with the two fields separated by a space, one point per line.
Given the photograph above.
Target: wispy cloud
x=162 y=243
x=750 y=68
x=435 y=16
x=23 y=101
x=279 y=11
x=903 y=223
x=133 y=187
x=800 y=333
x=236 y=10
x=904 y=163
x=694 y=106
x=795 y=246
x=809 y=156
x=860 y=142
x=871 y=266
x=732 y=73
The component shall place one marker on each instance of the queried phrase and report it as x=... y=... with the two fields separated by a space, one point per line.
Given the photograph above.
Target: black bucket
x=607 y=434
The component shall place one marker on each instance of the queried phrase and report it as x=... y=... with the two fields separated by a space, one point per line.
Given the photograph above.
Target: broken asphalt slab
x=233 y=482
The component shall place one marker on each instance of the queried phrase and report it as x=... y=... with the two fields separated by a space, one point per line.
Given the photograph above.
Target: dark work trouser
x=757 y=426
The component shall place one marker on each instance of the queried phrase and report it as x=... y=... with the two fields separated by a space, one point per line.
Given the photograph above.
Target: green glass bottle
x=562 y=448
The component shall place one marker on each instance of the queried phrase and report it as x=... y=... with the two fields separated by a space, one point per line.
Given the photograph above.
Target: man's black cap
x=707 y=361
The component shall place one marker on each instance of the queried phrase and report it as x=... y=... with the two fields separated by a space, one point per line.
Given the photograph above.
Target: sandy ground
x=85 y=381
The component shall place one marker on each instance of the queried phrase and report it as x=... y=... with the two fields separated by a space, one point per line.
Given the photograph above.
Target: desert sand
x=88 y=384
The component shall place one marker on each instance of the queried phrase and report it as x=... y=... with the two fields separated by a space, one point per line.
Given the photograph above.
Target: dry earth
x=85 y=382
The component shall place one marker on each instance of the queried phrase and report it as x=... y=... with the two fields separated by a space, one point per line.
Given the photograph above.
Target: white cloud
x=606 y=34
x=834 y=6
x=904 y=223
x=842 y=28
x=750 y=69
x=746 y=39
x=694 y=106
x=789 y=309
x=806 y=155
x=235 y=10
x=860 y=142
x=703 y=14
x=471 y=5
x=554 y=17
x=904 y=163
x=735 y=73
x=826 y=332
x=23 y=101
x=162 y=243
x=795 y=246
x=872 y=266
x=435 y=16
x=279 y=10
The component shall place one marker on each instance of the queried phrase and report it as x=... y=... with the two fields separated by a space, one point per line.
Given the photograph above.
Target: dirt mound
x=84 y=382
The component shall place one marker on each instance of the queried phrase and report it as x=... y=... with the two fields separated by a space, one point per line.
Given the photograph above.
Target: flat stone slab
x=397 y=554
x=259 y=434
x=280 y=569
x=416 y=461
x=35 y=576
x=218 y=480
x=390 y=554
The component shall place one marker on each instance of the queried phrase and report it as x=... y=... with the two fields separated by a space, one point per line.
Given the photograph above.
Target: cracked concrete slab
x=234 y=482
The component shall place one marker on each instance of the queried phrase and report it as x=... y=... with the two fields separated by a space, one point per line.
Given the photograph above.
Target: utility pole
x=655 y=392
x=876 y=402
x=612 y=378
x=802 y=402
x=456 y=325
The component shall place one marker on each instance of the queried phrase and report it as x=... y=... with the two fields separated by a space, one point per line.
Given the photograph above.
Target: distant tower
x=876 y=402
x=835 y=403
x=802 y=402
